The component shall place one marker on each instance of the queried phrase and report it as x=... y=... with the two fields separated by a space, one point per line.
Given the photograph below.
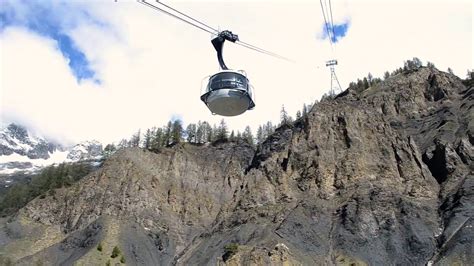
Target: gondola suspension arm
x=218 y=43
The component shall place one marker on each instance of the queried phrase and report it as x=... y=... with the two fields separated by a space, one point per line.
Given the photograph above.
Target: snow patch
x=54 y=158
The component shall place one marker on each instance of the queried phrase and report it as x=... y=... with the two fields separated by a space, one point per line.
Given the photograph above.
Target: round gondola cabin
x=228 y=92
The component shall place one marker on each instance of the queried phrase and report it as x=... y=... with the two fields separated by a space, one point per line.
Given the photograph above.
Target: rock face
x=381 y=177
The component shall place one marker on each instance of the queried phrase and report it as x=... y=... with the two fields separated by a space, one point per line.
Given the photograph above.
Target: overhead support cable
x=332 y=23
x=255 y=48
x=189 y=17
x=326 y=23
x=204 y=27
x=144 y=2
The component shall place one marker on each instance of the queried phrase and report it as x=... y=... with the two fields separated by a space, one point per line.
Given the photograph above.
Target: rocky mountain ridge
x=16 y=139
x=22 y=151
x=384 y=176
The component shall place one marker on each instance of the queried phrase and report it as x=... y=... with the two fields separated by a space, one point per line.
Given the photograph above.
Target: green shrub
x=99 y=247
x=122 y=259
x=115 y=252
x=107 y=263
x=230 y=250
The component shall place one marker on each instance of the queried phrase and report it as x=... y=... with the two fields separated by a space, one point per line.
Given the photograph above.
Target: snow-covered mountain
x=15 y=139
x=87 y=150
x=22 y=151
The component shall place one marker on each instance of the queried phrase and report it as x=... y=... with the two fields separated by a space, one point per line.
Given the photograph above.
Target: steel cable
x=209 y=29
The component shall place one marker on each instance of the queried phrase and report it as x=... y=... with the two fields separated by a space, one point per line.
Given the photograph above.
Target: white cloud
x=151 y=65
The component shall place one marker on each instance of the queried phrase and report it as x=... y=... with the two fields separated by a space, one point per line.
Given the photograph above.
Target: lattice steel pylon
x=335 y=86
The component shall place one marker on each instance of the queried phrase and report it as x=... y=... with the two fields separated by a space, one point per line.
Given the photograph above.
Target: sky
x=83 y=69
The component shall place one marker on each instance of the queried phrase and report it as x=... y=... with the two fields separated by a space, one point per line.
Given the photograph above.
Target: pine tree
x=247 y=135
x=135 y=140
x=386 y=75
x=191 y=131
x=284 y=120
x=268 y=129
x=206 y=132
x=157 y=140
x=167 y=135
x=232 y=136
x=298 y=114
x=365 y=83
x=200 y=133
x=260 y=136
x=176 y=131
x=147 y=139
x=450 y=71
x=221 y=131
x=369 y=78
x=123 y=144
x=417 y=62
x=109 y=150
x=413 y=64
x=305 y=110
x=209 y=132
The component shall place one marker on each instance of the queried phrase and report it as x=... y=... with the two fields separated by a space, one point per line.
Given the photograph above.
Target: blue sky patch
x=52 y=21
x=340 y=31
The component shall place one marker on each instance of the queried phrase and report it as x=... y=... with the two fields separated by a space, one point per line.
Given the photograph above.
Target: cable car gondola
x=228 y=92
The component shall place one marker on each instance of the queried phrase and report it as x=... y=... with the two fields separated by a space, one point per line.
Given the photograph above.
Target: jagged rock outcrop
x=380 y=177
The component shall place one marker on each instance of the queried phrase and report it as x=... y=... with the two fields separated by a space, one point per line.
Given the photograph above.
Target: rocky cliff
x=380 y=177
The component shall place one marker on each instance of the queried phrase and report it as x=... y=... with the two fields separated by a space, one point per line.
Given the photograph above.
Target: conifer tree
x=283 y=116
x=191 y=131
x=109 y=150
x=369 y=78
x=298 y=114
x=221 y=131
x=176 y=131
x=260 y=135
x=147 y=139
x=200 y=133
x=209 y=133
x=158 y=139
x=135 y=140
x=123 y=144
x=167 y=135
x=247 y=135
x=268 y=129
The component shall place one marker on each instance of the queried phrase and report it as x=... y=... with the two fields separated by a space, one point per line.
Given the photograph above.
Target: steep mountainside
x=381 y=177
